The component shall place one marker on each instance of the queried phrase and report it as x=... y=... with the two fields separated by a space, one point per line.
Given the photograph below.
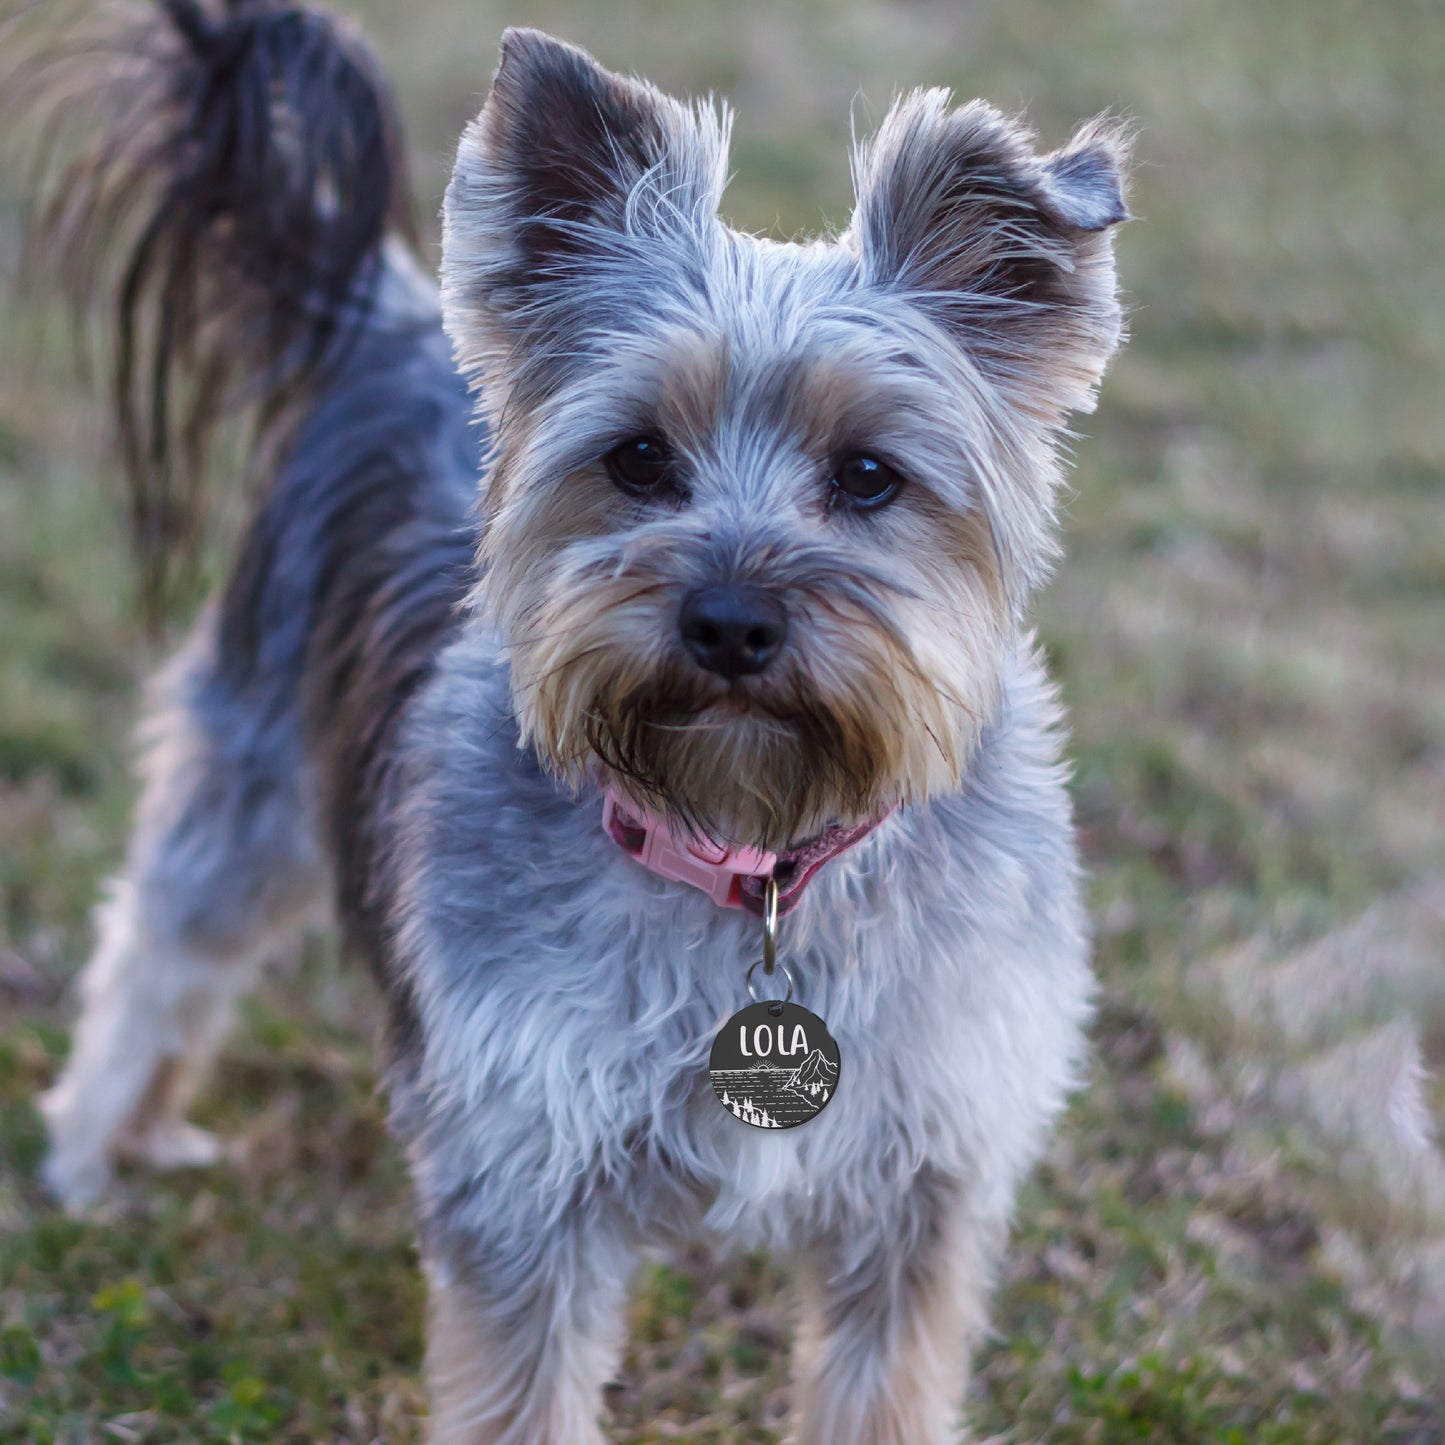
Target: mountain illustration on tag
x=774 y=1065
x=817 y=1076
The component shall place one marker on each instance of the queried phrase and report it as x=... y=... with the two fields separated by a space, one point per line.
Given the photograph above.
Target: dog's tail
x=232 y=171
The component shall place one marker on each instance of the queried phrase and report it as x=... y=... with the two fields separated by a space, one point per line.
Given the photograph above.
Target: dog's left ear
x=1011 y=250
x=568 y=170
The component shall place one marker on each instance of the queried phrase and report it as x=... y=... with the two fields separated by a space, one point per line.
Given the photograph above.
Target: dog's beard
x=770 y=773
x=849 y=723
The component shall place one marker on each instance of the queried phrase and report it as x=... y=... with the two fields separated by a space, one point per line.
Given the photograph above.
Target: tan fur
x=457 y=1351
x=883 y=1350
x=491 y=1385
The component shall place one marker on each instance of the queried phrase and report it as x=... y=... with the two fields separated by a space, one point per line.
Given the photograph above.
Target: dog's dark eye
x=864 y=481
x=641 y=464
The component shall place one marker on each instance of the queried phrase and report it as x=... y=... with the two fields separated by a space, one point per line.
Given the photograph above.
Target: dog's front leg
x=891 y=1309
x=524 y=1332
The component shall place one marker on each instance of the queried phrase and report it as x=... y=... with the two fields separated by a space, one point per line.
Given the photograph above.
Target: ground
x=1239 y=1234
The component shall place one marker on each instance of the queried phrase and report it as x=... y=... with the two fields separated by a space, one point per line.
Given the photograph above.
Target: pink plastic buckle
x=715 y=868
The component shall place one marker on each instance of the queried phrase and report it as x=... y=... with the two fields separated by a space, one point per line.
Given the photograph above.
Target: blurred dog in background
x=743 y=547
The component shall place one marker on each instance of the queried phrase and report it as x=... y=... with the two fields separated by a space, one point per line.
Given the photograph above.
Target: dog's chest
x=568 y=999
x=578 y=1029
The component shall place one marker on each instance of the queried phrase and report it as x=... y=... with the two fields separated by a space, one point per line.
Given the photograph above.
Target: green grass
x=1226 y=1243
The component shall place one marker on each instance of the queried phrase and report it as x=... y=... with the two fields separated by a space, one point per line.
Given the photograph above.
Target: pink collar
x=732 y=877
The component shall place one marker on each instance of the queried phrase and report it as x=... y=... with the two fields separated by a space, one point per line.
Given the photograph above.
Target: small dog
x=747 y=570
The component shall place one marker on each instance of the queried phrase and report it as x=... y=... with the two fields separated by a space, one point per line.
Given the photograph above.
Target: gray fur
x=416 y=723
x=567 y=1010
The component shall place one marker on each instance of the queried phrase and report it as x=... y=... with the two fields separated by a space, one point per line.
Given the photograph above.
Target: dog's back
x=248 y=222
x=353 y=570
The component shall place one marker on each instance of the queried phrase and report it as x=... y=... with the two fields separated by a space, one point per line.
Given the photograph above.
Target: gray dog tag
x=774 y=1065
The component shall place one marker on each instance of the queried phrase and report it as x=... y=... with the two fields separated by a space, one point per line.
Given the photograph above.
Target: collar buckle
x=715 y=868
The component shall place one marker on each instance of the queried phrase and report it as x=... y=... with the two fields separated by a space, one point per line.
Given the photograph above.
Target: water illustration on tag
x=774 y=1065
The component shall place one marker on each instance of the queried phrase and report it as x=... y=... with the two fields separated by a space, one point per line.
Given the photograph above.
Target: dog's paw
x=75 y=1181
x=76 y=1172
x=174 y=1145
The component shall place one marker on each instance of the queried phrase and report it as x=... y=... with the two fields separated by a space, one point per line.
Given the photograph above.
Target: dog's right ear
x=567 y=172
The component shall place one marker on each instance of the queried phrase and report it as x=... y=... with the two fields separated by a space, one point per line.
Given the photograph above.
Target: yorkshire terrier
x=729 y=540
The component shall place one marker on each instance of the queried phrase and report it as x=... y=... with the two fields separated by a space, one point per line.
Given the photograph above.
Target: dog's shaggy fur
x=408 y=702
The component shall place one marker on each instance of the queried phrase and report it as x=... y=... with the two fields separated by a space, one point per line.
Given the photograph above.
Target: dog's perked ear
x=1012 y=251
x=568 y=175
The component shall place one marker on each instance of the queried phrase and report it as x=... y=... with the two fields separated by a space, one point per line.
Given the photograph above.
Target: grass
x=1237 y=1235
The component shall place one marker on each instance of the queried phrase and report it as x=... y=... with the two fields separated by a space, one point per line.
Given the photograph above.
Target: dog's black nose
x=733 y=629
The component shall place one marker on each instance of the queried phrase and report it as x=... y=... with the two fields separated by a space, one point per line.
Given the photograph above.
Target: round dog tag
x=774 y=1065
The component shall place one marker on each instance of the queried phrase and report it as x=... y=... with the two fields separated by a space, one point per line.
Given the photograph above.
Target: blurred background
x=1239 y=1234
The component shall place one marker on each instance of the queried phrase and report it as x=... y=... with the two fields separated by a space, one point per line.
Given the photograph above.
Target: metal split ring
x=778 y=967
